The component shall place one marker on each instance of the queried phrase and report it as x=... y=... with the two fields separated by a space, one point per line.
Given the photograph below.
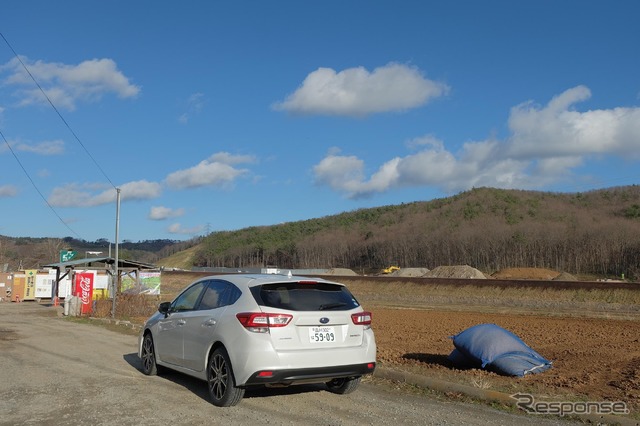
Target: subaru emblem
x=324 y=320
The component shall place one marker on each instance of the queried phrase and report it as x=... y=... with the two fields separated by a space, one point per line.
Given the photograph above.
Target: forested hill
x=594 y=232
x=19 y=253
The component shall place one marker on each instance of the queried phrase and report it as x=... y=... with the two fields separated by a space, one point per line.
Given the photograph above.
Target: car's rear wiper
x=332 y=306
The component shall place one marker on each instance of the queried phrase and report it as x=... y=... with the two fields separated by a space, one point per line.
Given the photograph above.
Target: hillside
x=29 y=253
x=595 y=232
x=180 y=260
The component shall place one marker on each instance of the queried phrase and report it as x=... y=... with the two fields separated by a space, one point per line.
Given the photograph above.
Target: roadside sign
x=67 y=255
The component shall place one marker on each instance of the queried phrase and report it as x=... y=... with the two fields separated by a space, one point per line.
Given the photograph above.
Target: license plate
x=322 y=334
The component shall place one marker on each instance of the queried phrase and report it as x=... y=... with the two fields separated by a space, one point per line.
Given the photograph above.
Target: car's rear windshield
x=296 y=296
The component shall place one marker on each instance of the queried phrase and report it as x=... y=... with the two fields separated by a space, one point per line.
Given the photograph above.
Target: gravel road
x=59 y=372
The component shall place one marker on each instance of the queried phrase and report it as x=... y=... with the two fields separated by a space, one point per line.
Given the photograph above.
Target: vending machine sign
x=84 y=290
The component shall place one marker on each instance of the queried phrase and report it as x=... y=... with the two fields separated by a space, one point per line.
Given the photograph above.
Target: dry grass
x=181 y=260
x=132 y=307
x=594 y=302
x=613 y=303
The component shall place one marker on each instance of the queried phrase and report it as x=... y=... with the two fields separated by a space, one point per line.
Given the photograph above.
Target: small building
x=62 y=274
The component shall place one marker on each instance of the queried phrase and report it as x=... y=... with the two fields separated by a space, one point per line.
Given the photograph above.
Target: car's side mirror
x=164 y=308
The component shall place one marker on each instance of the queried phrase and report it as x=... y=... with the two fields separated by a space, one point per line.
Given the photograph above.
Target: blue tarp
x=491 y=347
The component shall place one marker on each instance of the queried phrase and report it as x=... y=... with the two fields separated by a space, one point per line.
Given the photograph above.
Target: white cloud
x=358 y=92
x=162 y=213
x=427 y=140
x=544 y=146
x=217 y=171
x=54 y=147
x=8 y=191
x=90 y=195
x=558 y=130
x=225 y=157
x=340 y=172
x=176 y=228
x=195 y=103
x=65 y=84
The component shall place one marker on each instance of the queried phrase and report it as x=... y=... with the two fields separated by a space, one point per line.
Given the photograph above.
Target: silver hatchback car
x=236 y=331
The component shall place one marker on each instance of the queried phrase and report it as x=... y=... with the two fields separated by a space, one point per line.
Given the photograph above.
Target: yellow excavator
x=390 y=269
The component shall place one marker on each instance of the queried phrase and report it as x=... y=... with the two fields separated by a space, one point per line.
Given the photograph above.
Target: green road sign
x=67 y=255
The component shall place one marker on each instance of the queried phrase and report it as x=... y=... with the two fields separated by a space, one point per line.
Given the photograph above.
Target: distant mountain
x=595 y=232
x=18 y=253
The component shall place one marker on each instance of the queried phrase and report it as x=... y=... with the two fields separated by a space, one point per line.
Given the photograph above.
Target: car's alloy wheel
x=222 y=389
x=343 y=386
x=149 y=366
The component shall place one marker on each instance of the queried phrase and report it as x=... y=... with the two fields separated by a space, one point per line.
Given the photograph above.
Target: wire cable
x=36 y=187
x=57 y=112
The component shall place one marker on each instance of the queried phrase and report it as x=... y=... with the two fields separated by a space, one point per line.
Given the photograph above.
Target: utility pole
x=116 y=265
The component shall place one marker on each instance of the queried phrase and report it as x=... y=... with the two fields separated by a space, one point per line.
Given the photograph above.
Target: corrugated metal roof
x=122 y=263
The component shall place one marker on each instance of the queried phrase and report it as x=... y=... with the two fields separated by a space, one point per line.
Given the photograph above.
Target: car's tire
x=220 y=381
x=149 y=366
x=343 y=386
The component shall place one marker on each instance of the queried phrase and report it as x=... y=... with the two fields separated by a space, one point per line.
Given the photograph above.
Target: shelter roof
x=122 y=263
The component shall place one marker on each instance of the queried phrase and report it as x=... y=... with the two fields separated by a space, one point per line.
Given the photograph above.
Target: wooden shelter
x=125 y=267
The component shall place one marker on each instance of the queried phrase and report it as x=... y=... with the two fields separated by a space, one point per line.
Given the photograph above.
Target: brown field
x=594 y=344
x=590 y=334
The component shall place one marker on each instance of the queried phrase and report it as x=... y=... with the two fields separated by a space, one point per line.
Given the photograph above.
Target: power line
x=36 y=187
x=57 y=112
x=67 y=126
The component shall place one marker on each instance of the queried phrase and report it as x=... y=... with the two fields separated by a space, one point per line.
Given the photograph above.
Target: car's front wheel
x=343 y=386
x=149 y=366
x=222 y=388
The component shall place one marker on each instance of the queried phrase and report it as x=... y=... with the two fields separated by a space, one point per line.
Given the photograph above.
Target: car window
x=305 y=297
x=218 y=294
x=188 y=299
x=231 y=295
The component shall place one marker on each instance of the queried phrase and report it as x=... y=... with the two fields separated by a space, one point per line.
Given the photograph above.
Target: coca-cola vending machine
x=84 y=290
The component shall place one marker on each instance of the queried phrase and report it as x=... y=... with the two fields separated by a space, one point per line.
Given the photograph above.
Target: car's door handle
x=209 y=322
x=181 y=322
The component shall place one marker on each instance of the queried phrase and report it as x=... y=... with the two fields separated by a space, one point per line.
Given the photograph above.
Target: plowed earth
x=595 y=355
x=593 y=359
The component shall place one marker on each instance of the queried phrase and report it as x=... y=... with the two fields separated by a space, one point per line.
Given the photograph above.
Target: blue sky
x=212 y=116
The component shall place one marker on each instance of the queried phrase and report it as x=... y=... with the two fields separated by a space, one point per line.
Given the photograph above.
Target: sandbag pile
x=491 y=347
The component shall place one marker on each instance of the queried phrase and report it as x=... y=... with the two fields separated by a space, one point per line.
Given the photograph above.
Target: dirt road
x=57 y=372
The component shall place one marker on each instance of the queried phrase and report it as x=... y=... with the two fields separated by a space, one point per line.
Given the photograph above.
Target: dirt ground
x=593 y=359
x=595 y=355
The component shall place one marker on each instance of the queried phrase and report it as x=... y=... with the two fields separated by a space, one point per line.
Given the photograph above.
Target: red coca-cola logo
x=85 y=287
x=84 y=290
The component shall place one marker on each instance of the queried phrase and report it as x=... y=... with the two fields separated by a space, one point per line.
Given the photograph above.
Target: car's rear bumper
x=309 y=375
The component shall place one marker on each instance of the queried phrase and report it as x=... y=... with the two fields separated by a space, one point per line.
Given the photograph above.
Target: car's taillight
x=260 y=322
x=361 y=318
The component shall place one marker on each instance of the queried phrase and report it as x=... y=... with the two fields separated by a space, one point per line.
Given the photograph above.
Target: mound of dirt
x=458 y=271
x=340 y=272
x=525 y=274
x=410 y=272
x=565 y=276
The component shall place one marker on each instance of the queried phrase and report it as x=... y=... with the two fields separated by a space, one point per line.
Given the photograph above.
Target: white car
x=236 y=331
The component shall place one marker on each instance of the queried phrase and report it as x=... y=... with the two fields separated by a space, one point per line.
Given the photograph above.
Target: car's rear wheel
x=222 y=388
x=343 y=386
x=149 y=366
